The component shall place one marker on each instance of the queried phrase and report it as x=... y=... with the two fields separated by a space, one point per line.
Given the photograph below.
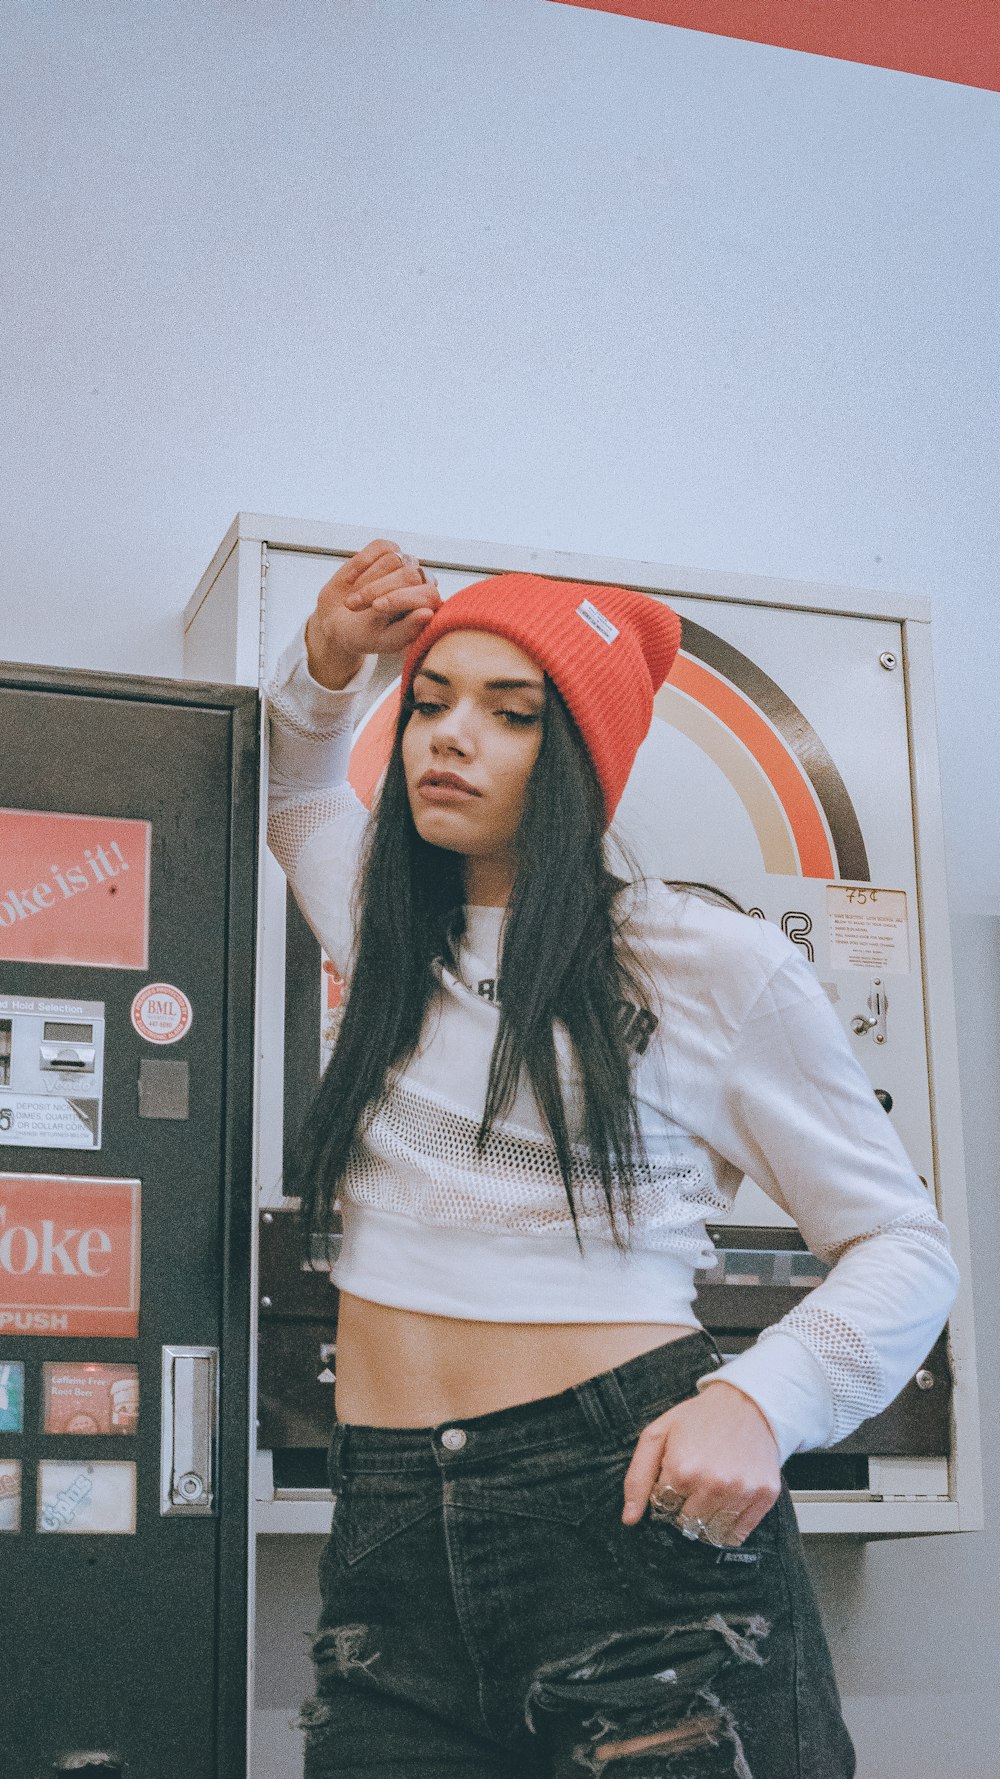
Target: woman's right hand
x=377 y=603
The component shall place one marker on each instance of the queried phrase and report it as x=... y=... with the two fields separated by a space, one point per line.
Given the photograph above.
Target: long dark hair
x=565 y=957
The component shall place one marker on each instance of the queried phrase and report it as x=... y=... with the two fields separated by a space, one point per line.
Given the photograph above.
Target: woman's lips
x=445 y=792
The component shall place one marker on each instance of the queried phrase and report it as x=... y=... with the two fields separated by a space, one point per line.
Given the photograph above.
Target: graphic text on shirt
x=638 y=1022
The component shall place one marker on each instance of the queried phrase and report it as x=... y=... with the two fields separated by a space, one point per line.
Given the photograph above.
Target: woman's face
x=471 y=743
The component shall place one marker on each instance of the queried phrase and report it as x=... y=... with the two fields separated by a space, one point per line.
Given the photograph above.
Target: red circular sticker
x=161 y=1014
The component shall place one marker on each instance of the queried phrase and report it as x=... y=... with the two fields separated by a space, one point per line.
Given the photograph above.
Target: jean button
x=453 y=1438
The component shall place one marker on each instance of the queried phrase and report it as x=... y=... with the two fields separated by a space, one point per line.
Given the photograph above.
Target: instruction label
x=51 y=1072
x=869 y=929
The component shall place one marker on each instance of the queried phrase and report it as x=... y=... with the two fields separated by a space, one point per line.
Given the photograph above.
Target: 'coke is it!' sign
x=74 y=889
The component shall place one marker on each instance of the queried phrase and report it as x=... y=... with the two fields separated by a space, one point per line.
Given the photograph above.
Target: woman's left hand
x=717 y=1453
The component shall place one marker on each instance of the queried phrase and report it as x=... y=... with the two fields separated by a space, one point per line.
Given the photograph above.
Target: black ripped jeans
x=486 y=1614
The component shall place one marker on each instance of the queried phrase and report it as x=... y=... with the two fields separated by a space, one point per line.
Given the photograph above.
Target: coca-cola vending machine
x=128 y=862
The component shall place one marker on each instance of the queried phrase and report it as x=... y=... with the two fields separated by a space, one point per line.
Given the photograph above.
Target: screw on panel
x=887 y=660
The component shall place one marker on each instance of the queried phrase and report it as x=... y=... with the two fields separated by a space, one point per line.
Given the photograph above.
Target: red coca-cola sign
x=69 y=1255
x=74 y=889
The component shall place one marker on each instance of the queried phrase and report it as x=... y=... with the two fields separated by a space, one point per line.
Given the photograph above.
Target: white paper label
x=597 y=621
x=869 y=929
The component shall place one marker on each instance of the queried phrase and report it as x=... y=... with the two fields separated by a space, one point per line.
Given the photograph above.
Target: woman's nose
x=452 y=731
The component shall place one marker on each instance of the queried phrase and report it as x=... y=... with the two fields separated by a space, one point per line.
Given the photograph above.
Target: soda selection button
x=453 y=1438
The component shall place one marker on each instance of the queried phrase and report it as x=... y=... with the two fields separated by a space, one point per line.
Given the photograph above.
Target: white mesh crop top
x=745 y=1070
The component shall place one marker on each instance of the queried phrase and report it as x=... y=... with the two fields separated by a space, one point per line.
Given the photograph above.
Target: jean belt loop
x=338 y=1440
x=605 y=1405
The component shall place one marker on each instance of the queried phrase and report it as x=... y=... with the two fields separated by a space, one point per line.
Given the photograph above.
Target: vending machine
x=128 y=895
x=792 y=767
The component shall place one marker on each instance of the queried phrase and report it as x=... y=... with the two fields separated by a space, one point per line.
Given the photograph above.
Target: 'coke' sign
x=69 y=1255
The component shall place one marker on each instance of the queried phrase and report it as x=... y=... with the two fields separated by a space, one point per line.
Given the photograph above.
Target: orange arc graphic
x=371 y=751
x=778 y=765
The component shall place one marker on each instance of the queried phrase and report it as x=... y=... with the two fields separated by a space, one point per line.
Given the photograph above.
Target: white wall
x=515 y=270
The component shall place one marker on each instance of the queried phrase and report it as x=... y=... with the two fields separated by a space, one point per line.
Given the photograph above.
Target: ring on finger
x=692 y=1527
x=719 y=1529
x=402 y=560
x=666 y=1500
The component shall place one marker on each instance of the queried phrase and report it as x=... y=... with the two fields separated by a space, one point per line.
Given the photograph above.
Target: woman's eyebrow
x=492 y=685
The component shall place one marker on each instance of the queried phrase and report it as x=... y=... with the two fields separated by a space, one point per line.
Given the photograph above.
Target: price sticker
x=869 y=929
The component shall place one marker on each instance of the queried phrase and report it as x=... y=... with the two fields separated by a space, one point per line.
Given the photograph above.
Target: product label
x=74 y=889
x=86 y=1497
x=10 y=1495
x=11 y=1396
x=597 y=621
x=90 y=1398
x=69 y=1255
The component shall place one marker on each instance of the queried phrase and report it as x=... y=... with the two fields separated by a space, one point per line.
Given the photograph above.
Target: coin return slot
x=66 y=1049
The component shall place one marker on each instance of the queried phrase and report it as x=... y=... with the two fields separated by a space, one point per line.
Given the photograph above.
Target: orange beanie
x=607 y=649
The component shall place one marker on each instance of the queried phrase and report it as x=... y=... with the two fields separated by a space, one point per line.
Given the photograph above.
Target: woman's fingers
x=377 y=602
x=644 y=1470
x=395 y=604
x=406 y=630
x=380 y=582
x=717 y=1455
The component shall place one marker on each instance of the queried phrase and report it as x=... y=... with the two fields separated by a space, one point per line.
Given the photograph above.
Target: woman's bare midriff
x=403 y=1368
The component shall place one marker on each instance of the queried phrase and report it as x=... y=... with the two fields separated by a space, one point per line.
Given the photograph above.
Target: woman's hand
x=377 y=603
x=714 y=1451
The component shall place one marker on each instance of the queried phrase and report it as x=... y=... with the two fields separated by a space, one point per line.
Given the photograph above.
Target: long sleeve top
x=742 y=1069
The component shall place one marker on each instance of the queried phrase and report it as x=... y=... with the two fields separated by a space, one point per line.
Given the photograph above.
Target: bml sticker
x=161 y=1013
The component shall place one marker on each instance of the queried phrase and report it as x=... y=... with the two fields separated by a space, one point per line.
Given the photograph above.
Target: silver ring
x=666 y=1500
x=691 y=1527
x=725 y=1517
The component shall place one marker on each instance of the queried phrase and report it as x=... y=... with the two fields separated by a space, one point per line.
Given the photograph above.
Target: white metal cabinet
x=792 y=758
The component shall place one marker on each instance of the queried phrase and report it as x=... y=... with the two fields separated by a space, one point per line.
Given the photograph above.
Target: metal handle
x=189 y=1430
x=874 y=1020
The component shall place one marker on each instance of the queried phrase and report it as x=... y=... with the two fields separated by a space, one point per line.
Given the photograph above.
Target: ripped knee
x=337 y=1650
x=650 y=1692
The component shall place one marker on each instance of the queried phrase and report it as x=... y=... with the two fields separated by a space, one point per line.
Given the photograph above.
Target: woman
x=561 y=1544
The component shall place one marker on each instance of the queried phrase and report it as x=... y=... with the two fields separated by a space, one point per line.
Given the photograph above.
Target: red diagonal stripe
x=944 y=39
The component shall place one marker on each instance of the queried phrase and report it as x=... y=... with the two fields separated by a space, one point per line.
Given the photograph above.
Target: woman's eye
x=427 y=707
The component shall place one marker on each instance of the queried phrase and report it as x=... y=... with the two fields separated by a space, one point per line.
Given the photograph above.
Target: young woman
x=561 y=1545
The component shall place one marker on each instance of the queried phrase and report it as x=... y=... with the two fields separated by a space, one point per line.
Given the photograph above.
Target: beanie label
x=597 y=621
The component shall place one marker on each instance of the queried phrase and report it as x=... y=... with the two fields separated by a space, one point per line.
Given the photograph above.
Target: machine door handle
x=189 y=1430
